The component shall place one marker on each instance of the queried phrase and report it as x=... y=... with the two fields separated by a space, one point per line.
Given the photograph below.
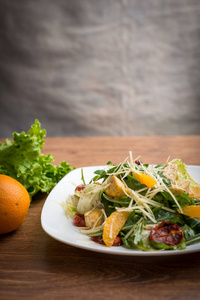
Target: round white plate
x=55 y=223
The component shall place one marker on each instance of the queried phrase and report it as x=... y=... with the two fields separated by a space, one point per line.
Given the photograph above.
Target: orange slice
x=113 y=225
x=195 y=192
x=145 y=179
x=193 y=211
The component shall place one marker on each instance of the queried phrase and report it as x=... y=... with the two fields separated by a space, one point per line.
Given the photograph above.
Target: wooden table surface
x=34 y=265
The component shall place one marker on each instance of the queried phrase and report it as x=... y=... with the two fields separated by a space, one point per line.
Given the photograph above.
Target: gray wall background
x=97 y=67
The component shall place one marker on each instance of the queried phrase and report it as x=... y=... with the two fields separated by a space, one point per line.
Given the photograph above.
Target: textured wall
x=97 y=67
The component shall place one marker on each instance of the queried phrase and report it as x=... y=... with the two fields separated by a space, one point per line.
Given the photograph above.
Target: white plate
x=56 y=224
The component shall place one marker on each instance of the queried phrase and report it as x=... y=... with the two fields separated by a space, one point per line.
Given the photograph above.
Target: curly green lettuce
x=22 y=159
x=182 y=172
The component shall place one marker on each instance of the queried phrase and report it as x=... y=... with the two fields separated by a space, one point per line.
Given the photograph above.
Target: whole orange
x=14 y=204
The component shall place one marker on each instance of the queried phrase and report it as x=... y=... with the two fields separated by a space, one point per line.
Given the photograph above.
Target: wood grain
x=99 y=150
x=33 y=265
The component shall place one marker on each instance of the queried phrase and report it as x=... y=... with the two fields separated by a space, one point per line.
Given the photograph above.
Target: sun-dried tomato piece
x=79 y=220
x=117 y=241
x=99 y=240
x=169 y=234
x=79 y=187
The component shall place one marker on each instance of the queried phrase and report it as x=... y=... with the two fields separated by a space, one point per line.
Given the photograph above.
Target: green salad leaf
x=22 y=159
x=182 y=172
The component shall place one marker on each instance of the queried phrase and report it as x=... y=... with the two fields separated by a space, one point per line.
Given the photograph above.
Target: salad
x=138 y=206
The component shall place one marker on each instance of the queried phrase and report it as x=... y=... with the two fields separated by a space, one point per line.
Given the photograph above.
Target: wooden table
x=33 y=265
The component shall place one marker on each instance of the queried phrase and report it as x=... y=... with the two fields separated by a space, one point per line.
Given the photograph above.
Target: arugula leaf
x=188 y=232
x=185 y=199
x=194 y=239
x=133 y=218
x=109 y=209
x=137 y=233
x=100 y=174
x=161 y=215
x=133 y=183
x=123 y=202
x=193 y=223
x=165 y=180
x=109 y=163
x=163 y=246
x=22 y=160
x=134 y=239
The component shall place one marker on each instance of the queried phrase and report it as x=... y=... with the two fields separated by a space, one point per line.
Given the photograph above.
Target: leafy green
x=182 y=172
x=133 y=183
x=191 y=230
x=100 y=174
x=163 y=215
x=193 y=223
x=134 y=239
x=22 y=160
x=185 y=199
x=188 y=232
x=133 y=218
x=109 y=208
x=166 y=199
x=123 y=202
x=162 y=246
x=194 y=239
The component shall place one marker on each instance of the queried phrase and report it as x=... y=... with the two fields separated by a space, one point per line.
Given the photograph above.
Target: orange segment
x=195 y=192
x=193 y=211
x=145 y=179
x=113 y=225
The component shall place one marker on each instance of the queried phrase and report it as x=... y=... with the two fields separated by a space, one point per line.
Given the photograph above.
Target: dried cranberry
x=138 y=162
x=79 y=187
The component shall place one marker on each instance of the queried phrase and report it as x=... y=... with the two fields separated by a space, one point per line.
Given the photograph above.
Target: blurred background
x=100 y=67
